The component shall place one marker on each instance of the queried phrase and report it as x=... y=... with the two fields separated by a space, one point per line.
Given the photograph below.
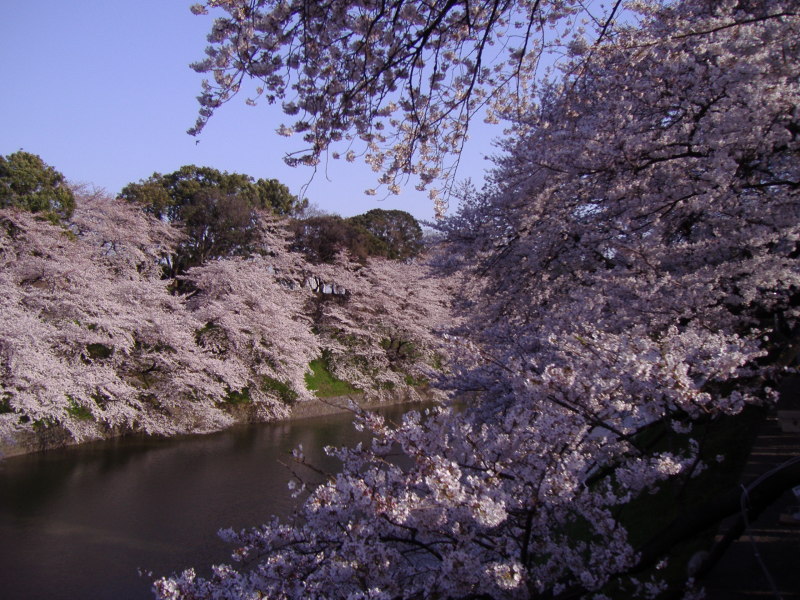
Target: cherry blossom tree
x=385 y=331
x=255 y=315
x=395 y=82
x=378 y=322
x=633 y=275
x=94 y=342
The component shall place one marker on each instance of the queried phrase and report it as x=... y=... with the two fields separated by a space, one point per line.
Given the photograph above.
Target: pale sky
x=103 y=92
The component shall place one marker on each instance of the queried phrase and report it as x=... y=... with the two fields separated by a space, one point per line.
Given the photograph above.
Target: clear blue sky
x=103 y=92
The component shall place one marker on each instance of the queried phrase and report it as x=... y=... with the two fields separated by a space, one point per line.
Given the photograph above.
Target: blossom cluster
x=94 y=341
x=395 y=83
x=634 y=269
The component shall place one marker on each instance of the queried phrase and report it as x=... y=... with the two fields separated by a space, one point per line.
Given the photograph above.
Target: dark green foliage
x=40 y=425
x=268 y=384
x=212 y=337
x=217 y=210
x=78 y=411
x=416 y=381
x=27 y=182
x=217 y=225
x=275 y=196
x=393 y=234
x=398 y=349
x=165 y=196
x=11 y=229
x=284 y=392
x=397 y=229
x=153 y=196
x=238 y=396
x=99 y=351
x=438 y=362
x=322 y=238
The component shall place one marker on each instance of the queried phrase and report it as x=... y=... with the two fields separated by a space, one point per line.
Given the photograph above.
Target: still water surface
x=79 y=523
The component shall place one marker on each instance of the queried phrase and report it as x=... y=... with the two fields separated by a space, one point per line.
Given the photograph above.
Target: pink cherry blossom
x=630 y=268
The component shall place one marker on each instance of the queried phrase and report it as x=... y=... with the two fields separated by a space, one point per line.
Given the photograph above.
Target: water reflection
x=79 y=522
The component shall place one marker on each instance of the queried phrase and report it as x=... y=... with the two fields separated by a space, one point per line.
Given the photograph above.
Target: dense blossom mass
x=633 y=278
x=96 y=339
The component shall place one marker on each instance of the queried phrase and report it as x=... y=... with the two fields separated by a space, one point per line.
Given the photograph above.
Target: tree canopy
x=632 y=293
x=322 y=238
x=216 y=209
x=94 y=342
x=397 y=229
x=27 y=182
x=396 y=83
x=164 y=196
x=394 y=234
x=217 y=225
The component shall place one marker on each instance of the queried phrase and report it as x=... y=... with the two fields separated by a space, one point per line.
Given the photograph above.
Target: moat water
x=82 y=523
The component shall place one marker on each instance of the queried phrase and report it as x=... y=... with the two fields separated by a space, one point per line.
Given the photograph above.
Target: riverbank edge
x=28 y=442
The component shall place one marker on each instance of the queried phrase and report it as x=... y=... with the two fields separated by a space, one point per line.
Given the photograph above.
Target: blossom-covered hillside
x=96 y=340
